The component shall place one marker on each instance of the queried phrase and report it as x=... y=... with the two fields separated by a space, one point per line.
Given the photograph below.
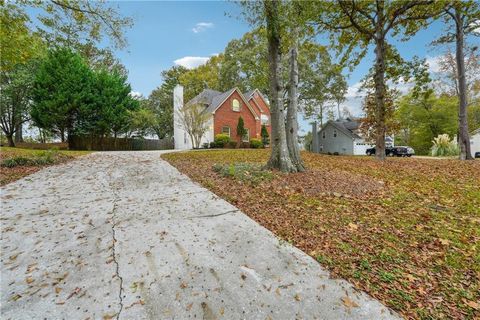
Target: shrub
x=15 y=162
x=205 y=145
x=265 y=136
x=232 y=144
x=221 y=140
x=245 y=172
x=40 y=159
x=256 y=143
x=443 y=146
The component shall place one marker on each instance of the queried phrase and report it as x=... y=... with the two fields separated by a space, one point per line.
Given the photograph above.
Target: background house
x=225 y=109
x=342 y=137
x=475 y=141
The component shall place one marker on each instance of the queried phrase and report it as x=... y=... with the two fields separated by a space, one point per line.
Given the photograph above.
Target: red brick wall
x=225 y=116
x=266 y=110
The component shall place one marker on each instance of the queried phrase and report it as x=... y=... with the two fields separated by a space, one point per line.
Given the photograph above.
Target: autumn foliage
x=406 y=231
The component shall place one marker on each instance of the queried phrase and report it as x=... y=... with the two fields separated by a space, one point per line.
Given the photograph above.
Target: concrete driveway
x=125 y=235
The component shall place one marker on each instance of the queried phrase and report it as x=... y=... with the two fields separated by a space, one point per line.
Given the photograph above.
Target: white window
x=226 y=130
x=264 y=119
x=334 y=133
x=236 y=105
x=246 y=137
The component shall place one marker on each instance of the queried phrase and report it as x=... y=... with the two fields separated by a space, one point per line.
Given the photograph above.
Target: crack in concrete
x=114 y=256
x=214 y=215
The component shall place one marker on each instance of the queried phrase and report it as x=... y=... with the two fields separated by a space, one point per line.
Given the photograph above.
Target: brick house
x=225 y=109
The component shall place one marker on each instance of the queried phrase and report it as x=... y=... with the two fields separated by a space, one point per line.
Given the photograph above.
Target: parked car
x=400 y=151
x=477 y=154
x=371 y=151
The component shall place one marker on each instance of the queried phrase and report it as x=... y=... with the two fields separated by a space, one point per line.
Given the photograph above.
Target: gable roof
x=218 y=100
x=249 y=94
x=347 y=127
x=213 y=99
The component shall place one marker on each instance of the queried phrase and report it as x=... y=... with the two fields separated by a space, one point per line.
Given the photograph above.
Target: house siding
x=475 y=143
x=342 y=143
x=225 y=116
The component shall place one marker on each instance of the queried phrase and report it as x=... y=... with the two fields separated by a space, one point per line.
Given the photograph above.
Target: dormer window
x=236 y=105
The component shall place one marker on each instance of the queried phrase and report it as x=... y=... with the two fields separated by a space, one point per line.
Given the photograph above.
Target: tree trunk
x=279 y=157
x=19 y=132
x=463 y=136
x=292 y=123
x=11 y=142
x=62 y=135
x=379 y=80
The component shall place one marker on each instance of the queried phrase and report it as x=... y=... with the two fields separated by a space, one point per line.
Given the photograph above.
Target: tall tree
x=465 y=16
x=62 y=87
x=369 y=22
x=280 y=156
x=291 y=121
x=15 y=98
x=160 y=101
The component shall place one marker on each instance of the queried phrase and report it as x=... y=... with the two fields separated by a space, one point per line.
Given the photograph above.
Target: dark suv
x=400 y=151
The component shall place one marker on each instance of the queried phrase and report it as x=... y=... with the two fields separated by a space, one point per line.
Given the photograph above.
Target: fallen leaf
x=352 y=226
x=29 y=280
x=473 y=304
x=189 y=306
x=297 y=297
x=349 y=303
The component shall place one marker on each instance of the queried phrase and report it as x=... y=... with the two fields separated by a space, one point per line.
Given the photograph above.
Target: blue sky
x=166 y=33
x=189 y=32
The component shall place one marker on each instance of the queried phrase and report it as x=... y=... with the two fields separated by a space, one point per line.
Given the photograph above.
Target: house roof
x=218 y=99
x=213 y=99
x=348 y=127
x=205 y=97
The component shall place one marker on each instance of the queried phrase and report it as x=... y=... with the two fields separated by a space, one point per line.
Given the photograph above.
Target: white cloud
x=434 y=64
x=136 y=94
x=353 y=91
x=202 y=26
x=191 y=62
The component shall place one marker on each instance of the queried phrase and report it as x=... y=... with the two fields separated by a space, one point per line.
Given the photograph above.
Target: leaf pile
x=406 y=231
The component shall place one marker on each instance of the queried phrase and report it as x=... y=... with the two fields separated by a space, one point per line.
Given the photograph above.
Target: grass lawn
x=406 y=231
x=16 y=163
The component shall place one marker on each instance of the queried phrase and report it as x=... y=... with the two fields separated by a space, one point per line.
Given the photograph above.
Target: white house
x=475 y=141
x=343 y=137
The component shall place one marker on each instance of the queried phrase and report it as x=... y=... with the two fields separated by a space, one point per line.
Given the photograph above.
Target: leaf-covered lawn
x=407 y=231
x=10 y=174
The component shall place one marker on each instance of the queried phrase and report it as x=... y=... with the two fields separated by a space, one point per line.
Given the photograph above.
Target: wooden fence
x=117 y=144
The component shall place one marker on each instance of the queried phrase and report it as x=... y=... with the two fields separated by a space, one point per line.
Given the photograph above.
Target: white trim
x=251 y=98
x=261 y=96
